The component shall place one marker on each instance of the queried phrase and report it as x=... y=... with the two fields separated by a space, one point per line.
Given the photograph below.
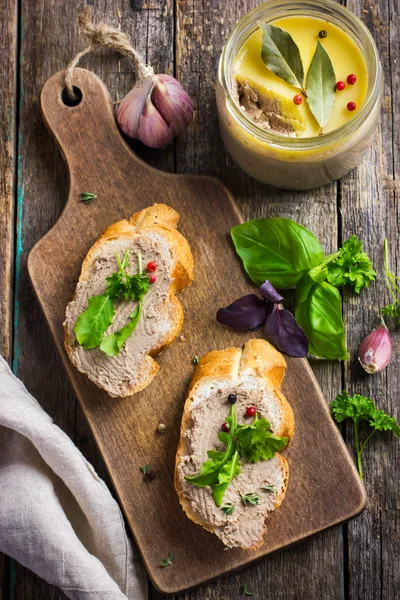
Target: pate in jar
x=299 y=91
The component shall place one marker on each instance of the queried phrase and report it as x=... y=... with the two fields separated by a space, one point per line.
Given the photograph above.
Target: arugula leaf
x=359 y=408
x=281 y=55
x=93 y=322
x=225 y=475
x=123 y=285
x=256 y=442
x=113 y=343
x=321 y=80
x=209 y=472
x=347 y=266
x=319 y=313
x=276 y=249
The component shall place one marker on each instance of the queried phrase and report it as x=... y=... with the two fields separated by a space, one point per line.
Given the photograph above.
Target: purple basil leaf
x=286 y=334
x=269 y=292
x=246 y=313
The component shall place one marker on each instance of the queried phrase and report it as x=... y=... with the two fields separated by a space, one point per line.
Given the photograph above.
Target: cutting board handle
x=87 y=130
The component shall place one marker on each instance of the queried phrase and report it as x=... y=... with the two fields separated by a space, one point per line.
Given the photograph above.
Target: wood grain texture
x=123 y=185
x=201 y=32
x=370 y=207
x=49 y=38
x=8 y=73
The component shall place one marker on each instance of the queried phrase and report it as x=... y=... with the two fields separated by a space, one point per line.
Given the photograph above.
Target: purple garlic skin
x=375 y=350
x=155 y=111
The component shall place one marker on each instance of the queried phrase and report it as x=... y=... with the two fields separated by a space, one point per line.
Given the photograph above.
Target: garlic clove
x=153 y=131
x=173 y=103
x=376 y=350
x=132 y=106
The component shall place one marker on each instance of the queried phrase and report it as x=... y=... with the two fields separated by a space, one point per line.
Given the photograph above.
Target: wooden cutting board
x=324 y=487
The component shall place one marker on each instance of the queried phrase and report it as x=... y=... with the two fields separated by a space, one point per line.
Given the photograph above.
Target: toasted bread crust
x=262 y=360
x=162 y=219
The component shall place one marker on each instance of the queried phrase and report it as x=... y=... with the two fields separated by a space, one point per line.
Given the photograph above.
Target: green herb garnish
x=93 y=322
x=167 y=561
x=391 y=310
x=251 y=498
x=320 y=86
x=253 y=442
x=195 y=360
x=244 y=591
x=281 y=55
x=144 y=469
x=268 y=487
x=228 y=508
x=358 y=408
x=350 y=265
x=87 y=197
x=287 y=254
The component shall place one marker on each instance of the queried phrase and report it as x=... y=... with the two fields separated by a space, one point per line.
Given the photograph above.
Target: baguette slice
x=255 y=374
x=153 y=232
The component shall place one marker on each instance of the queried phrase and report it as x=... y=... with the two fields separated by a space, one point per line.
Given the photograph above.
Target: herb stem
x=358 y=451
x=367 y=440
x=139 y=257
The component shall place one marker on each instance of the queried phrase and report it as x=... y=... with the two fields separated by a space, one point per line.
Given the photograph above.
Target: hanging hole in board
x=71 y=101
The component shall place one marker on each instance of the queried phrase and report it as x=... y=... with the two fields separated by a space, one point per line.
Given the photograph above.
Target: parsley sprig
x=93 y=322
x=392 y=282
x=253 y=442
x=359 y=408
x=348 y=266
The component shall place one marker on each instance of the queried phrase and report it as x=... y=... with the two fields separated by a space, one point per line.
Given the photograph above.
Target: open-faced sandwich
x=229 y=472
x=125 y=309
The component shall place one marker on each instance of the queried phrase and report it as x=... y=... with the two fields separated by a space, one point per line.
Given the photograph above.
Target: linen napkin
x=57 y=517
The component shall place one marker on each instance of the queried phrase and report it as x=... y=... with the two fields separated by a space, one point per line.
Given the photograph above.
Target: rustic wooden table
x=360 y=560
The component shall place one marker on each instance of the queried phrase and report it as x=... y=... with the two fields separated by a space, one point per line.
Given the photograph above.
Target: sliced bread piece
x=255 y=375
x=153 y=232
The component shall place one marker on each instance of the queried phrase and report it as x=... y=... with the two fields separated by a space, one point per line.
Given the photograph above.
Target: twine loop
x=103 y=36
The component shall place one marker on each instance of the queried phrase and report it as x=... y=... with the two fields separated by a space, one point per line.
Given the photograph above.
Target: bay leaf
x=320 y=87
x=281 y=55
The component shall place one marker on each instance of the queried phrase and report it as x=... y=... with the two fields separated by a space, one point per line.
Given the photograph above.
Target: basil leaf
x=319 y=313
x=276 y=249
x=320 y=87
x=244 y=314
x=93 y=322
x=286 y=333
x=281 y=54
x=113 y=343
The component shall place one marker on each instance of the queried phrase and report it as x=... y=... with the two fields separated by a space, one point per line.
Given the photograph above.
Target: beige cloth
x=57 y=517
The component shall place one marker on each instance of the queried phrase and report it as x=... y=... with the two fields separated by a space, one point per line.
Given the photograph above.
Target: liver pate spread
x=118 y=373
x=246 y=525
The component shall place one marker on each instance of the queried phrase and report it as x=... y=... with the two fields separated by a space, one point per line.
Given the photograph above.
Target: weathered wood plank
x=370 y=208
x=50 y=38
x=201 y=31
x=8 y=55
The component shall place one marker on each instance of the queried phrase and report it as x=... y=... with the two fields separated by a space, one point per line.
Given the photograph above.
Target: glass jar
x=290 y=162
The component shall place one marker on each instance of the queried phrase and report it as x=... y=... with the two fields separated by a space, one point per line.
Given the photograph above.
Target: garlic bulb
x=376 y=350
x=155 y=111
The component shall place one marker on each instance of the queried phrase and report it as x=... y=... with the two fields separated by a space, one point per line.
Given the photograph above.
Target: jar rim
x=338 y=13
